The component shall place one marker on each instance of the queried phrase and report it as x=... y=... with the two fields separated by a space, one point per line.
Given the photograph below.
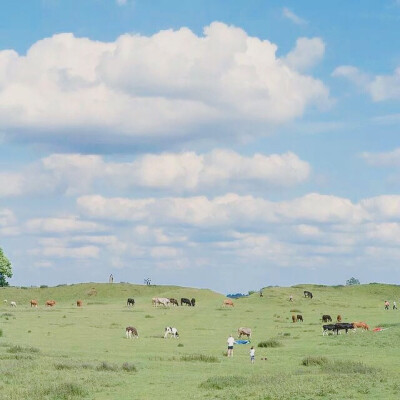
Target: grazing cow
x=50 y=303
x=361 y=325
x=5 y=301
x=186 y=301
x=344 y=326
x=193 y=302
x=326 y=329
x=299 y=317
x=13 y=304
x=34 y=303
x=174 y=302
x=244 y=331
x=79 y=303
x=339 y=318
x=326 y=318
x=228 y=302
x=294 y=319
x=308 y=294
x=161 y=301
x=171 y=331
x=130 y=332
x=130 y=302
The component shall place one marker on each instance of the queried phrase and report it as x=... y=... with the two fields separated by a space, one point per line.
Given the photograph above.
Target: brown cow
x=34 y=303
x=50 y=303
x=79 y=303
x=228 y=302
x=339 y=318
x=244 y=331
x=130 y=332
x=361 y=325
x=294 y=318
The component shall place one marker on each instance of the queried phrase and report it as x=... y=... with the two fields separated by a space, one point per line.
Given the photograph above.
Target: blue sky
x=221 y=144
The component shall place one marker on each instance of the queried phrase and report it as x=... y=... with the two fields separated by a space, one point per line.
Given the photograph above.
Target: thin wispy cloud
x=121 y=2
x=289 y=14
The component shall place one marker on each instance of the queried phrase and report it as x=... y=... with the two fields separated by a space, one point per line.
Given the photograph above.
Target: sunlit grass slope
x=67 y=352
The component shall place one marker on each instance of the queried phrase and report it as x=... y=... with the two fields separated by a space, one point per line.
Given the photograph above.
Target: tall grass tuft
x=21 y=349
x=128 y=367
x=222 y=382
x=314 y=360
x=66 y=391
x=1 y=332
x=347 y=367
x=270 y=343
x=106 y=366
x=199 y=357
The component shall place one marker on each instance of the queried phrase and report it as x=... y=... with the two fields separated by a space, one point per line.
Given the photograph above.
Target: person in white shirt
x=252 y=354
x=230 y=342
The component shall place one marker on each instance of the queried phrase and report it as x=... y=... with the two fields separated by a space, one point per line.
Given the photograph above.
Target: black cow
x=328 y=328
x=130 y=302
x=174 y=302
x=326 y=318
x=299 y=318
x=193 y=302
x=344 y=326
x=186 y=301
x=307 y=294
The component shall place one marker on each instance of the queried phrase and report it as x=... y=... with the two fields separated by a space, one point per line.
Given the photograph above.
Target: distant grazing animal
x=130 y=332
x=171 y=331
x=79 y=303
x=162 y=301
x=50 y=303
x=228 y=302
x=326 y=318
x=361 y=325
x=193 y=302
x=339 y=318
x=174 y=302
x=13 y=304
x=326 y=329
x=344 y=326
x=130 y=302
x=308 y=294
x=5 y=301
x=294 y=319
x=186 y=301
x=299 y=317
x=244 y=331
x=34 y=303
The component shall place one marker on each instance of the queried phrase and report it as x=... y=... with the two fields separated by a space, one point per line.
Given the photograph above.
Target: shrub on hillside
x=314 y=360
x=270 y=343
x=199 y=357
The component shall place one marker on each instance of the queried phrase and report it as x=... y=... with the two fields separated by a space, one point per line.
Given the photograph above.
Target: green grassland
x=67 y=352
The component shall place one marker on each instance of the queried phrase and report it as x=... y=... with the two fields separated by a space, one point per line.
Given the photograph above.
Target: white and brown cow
x=169 y=330
x=130 y=332
x=244 y=331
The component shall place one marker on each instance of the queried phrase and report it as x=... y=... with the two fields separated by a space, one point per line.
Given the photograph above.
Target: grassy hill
x=70 y=353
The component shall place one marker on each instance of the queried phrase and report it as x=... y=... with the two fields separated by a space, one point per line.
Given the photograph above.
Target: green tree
x=352 y=281
x=5 y=269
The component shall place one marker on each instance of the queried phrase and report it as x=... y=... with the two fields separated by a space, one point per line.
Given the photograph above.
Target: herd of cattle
x=173 y=332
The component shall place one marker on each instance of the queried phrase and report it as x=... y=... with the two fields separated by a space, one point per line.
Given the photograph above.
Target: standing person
x=387 y=305
x=230 y=342
x=394 y=305
x=252 y=354
x=291 y=297
x=111 y=279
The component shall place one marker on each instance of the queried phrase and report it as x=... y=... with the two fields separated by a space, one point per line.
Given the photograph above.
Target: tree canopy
x=352 y=281
x=5 y=269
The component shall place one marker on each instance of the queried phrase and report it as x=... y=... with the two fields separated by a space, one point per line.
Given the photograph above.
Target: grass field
x=67 y=352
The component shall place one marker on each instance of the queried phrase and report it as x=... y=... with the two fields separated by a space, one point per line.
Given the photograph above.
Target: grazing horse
x=308 y=294
x=130 y=302
x=34 y=303
x=294 y=318
x=130 y=332
x=13 y=304
x=300 y=317
x=174 y=302
x=79 y=303
x=228 y=302
x=244 y=331
x=50 y=303
x=193 y=302
x=326 y=318
x=339 y=318
x=171 y=331
x=361 y=325
x=186 y=301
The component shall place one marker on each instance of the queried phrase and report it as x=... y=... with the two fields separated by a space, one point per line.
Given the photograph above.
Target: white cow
x=13 y=304
x=161 y=300
x=171 y=331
